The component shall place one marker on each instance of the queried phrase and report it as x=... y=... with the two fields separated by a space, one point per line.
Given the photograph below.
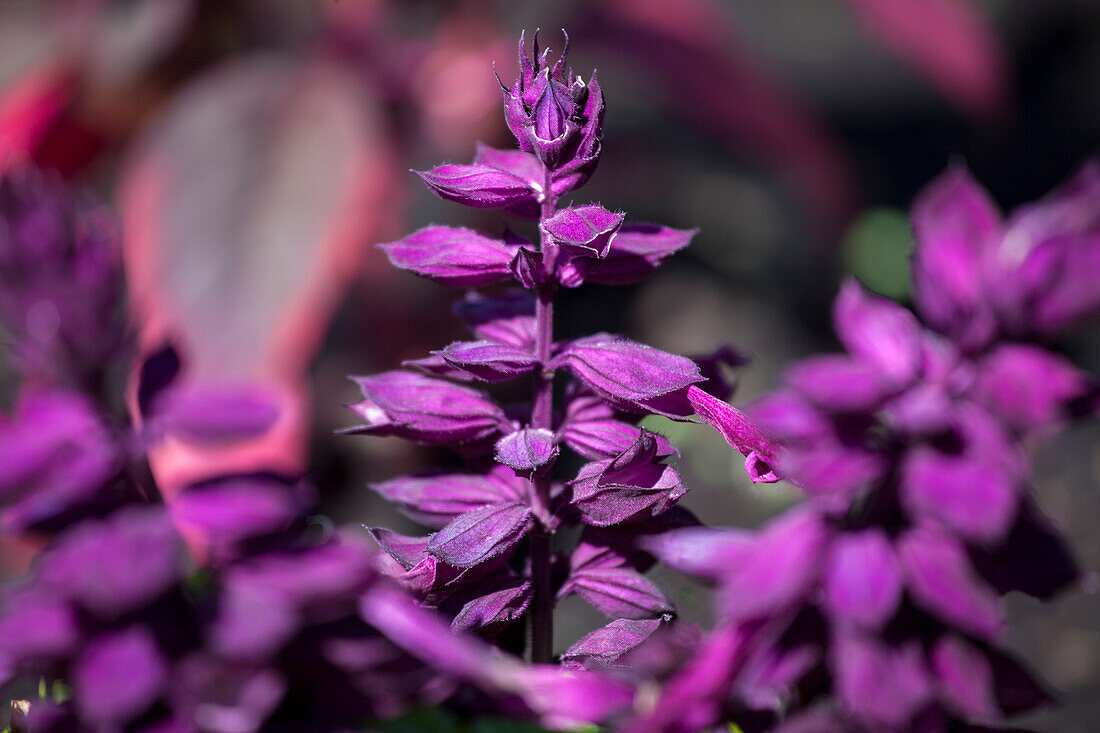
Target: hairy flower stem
x=541 y=640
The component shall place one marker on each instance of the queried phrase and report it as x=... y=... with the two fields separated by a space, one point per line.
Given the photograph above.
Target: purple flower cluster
x=276 y=632
x=876 y=605
x=472 y=567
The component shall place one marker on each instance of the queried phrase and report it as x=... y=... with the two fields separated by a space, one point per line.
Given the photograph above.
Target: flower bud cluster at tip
x=473 y=567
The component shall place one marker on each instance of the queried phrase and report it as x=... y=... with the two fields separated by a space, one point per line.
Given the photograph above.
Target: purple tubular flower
x=761 y=453
x=424 y=409
x=587 y=230
x=452 y=256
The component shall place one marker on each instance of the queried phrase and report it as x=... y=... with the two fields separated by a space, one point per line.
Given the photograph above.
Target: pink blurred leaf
x=948 y=41
x=247 y=210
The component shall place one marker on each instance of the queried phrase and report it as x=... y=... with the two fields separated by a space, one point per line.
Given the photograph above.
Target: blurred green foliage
x=877 y=249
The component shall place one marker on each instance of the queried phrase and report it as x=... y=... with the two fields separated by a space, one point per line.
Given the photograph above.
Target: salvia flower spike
x=468 y=568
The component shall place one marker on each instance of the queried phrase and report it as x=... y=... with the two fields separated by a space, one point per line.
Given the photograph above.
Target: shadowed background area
x=255 y=150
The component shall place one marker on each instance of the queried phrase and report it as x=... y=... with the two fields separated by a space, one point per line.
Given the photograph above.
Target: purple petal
x=963 y=678
x=507 y=318
x=437 y=366
x=778 y=570
x=597 y=439
x=606 y=644
x=480 y=535
x=252 y=623
x=956 y=226
x=838 y=383
x=527 y=451
x=740 y=432
x=878 y=332
x=489 y=605
x=528 y=269
x=436 y=500
x=637 y=250
x=627 y=488
x=36 y=626
x=235 y=508
x=516 y=162
x=118 y=564
x=587 y=230
x=571 y=699
x=479 y=186
x=627 y=372
x=118 y=676
x=977 y=498
x=705 y=552
x=940 y=579
x=883 y=686
x=619 y=592
x=1028 y=387
x=488 y=360
x=768 y=679
x=862 y=580
x=420 y=408
x=208 y=413
x=404 y=549
x=452 y=256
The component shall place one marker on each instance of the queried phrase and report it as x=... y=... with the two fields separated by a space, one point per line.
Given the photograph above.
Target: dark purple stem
x=541 y=643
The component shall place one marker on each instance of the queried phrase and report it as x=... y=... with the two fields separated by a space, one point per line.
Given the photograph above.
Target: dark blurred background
x=255 y=150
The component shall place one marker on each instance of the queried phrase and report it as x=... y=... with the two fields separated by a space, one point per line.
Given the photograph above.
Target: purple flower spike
x=584 y=230
x=630 y=375
x=452 y=256
x=761 y=453
x=862 y=578
x=479 y=186
x=424 y=409
x=480 y=535
x=528 y=451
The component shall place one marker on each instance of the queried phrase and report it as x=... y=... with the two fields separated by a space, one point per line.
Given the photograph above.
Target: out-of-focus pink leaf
x=31 y=106
x=247 y=209
x=688 y=48
x=949 y=42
